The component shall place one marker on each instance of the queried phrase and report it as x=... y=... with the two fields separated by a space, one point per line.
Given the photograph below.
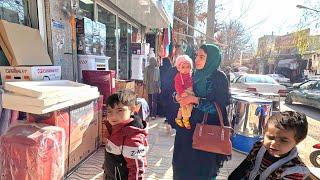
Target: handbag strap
x=205 y=116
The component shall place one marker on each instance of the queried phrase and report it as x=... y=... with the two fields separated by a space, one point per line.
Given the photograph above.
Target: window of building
x=109 y=19
x=23 y=12
x=123 y=49
x=87 y=8
x=20 y=11
x=136 y=35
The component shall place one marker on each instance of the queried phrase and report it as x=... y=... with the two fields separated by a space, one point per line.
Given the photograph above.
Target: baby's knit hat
x=183 y=59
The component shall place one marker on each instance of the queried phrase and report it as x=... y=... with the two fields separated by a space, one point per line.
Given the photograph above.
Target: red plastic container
x=104 y=80
x=32 y=151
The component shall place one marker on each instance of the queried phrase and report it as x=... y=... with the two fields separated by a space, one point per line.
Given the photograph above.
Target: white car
x=280 y=78
x=259 y=83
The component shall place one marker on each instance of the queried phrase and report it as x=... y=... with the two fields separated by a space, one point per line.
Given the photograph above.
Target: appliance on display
x=137 y=66
x=140 y=48
x=92 y=62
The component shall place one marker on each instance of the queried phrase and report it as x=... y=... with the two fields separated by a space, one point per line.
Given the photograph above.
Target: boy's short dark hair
x=125 y=97
x=290 y=120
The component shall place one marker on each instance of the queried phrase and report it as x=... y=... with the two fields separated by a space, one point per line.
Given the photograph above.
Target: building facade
x=291 y=54
x=125 y=22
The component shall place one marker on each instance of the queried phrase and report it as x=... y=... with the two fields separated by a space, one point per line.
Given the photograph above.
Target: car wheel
x=288 y=100
x=315 y=158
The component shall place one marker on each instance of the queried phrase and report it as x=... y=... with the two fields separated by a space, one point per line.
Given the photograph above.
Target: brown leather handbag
x=212 y=138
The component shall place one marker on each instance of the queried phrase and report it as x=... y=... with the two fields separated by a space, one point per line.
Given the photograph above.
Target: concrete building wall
x=59 y=37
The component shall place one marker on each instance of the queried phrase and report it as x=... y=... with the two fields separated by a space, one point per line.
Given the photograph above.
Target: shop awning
x=149 y=13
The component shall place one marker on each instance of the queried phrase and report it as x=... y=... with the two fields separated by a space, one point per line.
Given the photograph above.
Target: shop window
x=20 y=12
x=109 y=20
x=136 y=36
x=87 y=7
x=123 y=49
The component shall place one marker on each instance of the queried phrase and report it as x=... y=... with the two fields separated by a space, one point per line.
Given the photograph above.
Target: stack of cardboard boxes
x=29 y=61
x=66 y=104
x=26 y=53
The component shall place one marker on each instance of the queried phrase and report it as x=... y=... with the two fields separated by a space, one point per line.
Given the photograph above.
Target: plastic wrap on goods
x=32 y=152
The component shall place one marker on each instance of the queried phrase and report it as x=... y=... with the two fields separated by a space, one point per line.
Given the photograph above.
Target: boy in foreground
x=126 y=148
x=276 y=157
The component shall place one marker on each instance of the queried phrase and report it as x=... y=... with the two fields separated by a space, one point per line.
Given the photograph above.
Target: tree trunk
x=191 y=20
x=210 y=20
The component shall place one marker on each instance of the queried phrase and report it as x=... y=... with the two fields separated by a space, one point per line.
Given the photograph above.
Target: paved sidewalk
x=161 y=150
x=159 y=158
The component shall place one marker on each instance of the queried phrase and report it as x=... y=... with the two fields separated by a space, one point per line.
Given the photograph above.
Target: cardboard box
x=99 y=110
x=125 y=84
x=104 y=128
x=140 y=90
x=35 y=73
x=84 y=30
x=23 y=45
x=81 y=125
x=87 y=146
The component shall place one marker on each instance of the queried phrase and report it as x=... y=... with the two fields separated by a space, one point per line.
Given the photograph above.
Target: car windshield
x=260 y=79
x=308 y=85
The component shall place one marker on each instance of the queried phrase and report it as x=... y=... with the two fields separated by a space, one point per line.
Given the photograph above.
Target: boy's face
x=278 y=142
x=185 y=68
x=118 y=114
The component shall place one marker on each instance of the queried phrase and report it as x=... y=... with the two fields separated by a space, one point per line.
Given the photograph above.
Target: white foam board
x=43 y=89
x=41 y=110
x=17 y=99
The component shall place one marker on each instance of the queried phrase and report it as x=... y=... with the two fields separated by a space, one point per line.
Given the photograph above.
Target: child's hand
x=184 y=94
x=188 y=100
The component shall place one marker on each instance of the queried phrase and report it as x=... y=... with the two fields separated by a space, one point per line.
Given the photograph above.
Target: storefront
x=126 y=22
x=123 y=27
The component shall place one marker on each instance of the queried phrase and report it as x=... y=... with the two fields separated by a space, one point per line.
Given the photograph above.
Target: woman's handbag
x=212 y=138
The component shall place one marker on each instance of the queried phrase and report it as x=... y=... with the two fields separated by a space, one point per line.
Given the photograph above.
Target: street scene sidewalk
x=161 y=150
x=159 y=157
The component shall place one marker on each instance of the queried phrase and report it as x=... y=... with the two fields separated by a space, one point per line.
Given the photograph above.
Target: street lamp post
x=304 y=7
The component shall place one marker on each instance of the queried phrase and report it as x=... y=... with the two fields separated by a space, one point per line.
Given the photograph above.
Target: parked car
x=259 y=83
x=306 y=93
x=280 y=79
x=232 y=76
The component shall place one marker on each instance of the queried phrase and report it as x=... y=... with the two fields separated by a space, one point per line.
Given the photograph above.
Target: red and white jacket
x=126 y=148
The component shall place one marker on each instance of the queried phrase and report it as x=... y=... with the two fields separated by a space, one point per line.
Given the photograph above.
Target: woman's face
x=201 y=59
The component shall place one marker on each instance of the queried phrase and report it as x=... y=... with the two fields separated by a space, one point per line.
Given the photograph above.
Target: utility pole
x=210 y=20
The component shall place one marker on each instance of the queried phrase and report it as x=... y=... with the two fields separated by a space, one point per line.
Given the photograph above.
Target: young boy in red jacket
x=126 y=147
